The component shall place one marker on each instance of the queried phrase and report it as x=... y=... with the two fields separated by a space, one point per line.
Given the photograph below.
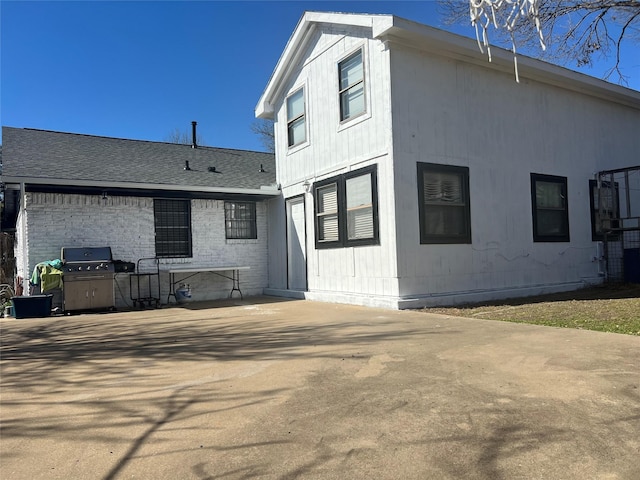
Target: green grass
x=611 y=308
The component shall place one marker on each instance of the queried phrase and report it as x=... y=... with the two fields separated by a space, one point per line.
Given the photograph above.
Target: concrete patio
x=266 y=388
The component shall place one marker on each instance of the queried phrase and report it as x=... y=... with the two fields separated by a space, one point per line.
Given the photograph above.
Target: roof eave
x=266 y=190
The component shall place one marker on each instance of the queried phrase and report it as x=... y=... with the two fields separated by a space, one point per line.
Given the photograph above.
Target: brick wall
x=126 y=224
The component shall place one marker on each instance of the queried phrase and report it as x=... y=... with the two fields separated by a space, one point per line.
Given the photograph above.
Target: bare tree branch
x=264 y=129
x=576 y=31
x=182 y=137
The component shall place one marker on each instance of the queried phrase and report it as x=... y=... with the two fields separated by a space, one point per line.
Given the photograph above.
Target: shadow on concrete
x=77 y=361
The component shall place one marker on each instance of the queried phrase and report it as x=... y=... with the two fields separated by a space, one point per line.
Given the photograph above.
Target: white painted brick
x=126 y=224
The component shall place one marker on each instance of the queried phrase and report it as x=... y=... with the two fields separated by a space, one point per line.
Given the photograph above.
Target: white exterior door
x=296 y=245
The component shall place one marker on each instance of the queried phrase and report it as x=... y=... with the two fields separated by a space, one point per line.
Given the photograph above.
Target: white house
x=186 y=205
x=414 y=172
x=409 y=171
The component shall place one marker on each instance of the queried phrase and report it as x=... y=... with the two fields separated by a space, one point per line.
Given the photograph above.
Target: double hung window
x=351 y=85
x=550 y=208
x=443 y=203
x=240 y=220
x=346 y=209
x=172 y=219
x=296 y=114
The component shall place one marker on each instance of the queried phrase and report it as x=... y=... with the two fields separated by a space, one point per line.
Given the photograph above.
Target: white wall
x=126 y=224
x=447 y=112
x=331 y=149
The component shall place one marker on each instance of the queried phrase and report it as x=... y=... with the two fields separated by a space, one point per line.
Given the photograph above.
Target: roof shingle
x=71 y=158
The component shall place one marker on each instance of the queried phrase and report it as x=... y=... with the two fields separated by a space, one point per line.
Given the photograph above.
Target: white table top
x=190 y=269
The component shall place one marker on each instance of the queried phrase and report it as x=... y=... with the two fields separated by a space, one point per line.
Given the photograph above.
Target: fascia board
x=263 y=190
x=264 y=108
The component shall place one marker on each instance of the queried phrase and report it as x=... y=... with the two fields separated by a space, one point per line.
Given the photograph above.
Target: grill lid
x=85 y=254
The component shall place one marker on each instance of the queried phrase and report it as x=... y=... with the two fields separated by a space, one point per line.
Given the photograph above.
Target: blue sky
x=141 y=69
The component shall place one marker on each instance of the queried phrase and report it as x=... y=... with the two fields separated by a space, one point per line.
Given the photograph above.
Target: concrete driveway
x=296 y=389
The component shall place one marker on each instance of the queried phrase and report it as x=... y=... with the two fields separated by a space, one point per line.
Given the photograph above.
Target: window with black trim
x=351 y=85
x=346 y=209
x=605 y=209
x=296 y=115
x=172 y=220
x=443 y=203
x=240 y=220
x=550 y=208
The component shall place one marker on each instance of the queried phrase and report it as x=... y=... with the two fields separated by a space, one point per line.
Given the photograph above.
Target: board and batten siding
x=453 y=113
x=352 y=274
x=126 y=224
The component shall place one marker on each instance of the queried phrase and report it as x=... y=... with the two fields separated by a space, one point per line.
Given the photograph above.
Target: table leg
x=172 y=286
x=236 y=284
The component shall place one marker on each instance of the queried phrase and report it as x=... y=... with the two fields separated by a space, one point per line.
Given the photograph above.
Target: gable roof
x=43 y=157
x=395 y=29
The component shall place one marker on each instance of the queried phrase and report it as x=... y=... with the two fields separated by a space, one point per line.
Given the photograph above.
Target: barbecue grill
x=88 y=277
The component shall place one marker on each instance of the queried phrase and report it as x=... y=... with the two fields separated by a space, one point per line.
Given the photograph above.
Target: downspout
x=23 y=234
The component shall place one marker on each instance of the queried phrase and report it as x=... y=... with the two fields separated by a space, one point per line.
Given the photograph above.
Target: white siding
x=356 y=273
x=448 y=112
x=126 y=224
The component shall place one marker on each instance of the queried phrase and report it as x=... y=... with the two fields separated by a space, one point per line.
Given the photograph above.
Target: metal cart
x=144 y=283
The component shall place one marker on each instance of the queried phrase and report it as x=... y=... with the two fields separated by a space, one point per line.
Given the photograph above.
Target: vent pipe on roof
x=193 y=135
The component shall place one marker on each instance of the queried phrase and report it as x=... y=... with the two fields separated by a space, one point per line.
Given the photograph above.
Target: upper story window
x=172 y=220
x=296 y=128
x=443 y=203
x=351 y=84
x=240 y=220
x=346 y=209
x=550 y=208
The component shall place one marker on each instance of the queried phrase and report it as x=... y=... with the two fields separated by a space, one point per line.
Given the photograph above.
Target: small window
x=296 y=128
x=173 y=227
x=351 y=84
x=549 y=208
x=443 y=204
x=240 y=220
x=605 y=209
x=347 y=210
x=327 y=213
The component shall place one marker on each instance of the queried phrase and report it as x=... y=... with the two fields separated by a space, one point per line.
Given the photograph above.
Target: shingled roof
x=57 y=158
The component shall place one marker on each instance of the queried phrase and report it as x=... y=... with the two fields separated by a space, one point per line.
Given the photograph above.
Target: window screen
x=550 y=208
x=173 y=227
x=444 y=203
x=240 y=220
x=347 y=210
x=296 y=129
x=351 y=80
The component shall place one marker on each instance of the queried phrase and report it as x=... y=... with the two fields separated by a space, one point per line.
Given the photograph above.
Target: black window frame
x=540 y=237
x=343 y=237
x=233 y=226
x=595 y=235
x=343 y=91
x=434 y=239
x=168 y=241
